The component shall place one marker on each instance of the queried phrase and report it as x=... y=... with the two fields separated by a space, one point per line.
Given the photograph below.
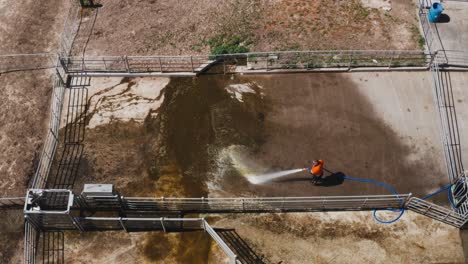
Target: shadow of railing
x=245 y=253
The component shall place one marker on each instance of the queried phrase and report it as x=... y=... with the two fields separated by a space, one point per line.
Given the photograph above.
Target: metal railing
x=346 y=59
x=453 y=58
x=436 y=212
x=70 y=29
x=73 y=136
x=443 y=98
x=12 y=203
x=254 y=61
x=264 y=204
x=50 y=145
x=23 y=62
x=431 y=35
x=31 y=237
x=135 y=64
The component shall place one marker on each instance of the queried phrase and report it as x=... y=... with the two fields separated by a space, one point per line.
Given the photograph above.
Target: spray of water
x=263 y=178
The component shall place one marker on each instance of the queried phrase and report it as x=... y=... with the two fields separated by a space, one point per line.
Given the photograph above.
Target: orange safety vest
x=317 y=169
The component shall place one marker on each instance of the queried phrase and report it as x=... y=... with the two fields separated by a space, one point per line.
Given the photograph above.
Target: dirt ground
x=326 y=238
x=29 y=27
x=24 y=113
x=187 y=27
x=26 y=27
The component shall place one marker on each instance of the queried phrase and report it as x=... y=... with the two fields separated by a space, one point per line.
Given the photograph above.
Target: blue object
x=401 y=210
x=434 y=12
x=388 y=187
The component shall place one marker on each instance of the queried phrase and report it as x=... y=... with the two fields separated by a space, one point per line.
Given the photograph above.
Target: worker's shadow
x=333 y=179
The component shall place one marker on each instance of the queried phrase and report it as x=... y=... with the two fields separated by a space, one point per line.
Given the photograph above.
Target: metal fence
x=436 y=212
x=346 y=59
x=244 y=205
x=452 y=58
x=50 y=145
x=23 y=62
x=71 y=148
x=443 y=98
x=258 y=61
x=431 y=35
x=70 y=29
x=31 y=237
x=135 y=64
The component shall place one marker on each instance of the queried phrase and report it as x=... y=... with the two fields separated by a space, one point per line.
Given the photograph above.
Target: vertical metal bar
x=391 y=60
x=122 y=224
x=125 y=58
x=365 y=202
x=191 y=62
x=76 y=224
x=160 y=64
x=162 y=224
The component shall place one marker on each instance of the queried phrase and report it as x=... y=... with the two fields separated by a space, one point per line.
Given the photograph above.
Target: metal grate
x=53 y=247
x=31 y=238
x=436 y=212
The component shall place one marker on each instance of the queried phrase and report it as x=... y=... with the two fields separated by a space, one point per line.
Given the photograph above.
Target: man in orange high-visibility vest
x=316 y=170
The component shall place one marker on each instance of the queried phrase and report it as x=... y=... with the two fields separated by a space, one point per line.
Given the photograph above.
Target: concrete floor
x=454 y=33
x=460 y=94
x=380 y=126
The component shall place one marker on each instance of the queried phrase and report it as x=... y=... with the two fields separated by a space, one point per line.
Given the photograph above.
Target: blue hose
x=388 y=187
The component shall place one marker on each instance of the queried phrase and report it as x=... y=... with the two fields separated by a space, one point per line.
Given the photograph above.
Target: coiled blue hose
x=388 y=187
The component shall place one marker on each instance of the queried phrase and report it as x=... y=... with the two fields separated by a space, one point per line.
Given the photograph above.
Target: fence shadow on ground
x=245 y=253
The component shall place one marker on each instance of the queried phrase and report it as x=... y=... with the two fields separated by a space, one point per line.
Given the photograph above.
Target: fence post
x=350 y=60
x=191 y=62
x=105 y=65
x=76 y=223
x=391 y=59
x=405 y=204
x=162 y=224
x=160 y=64
x=125 y=58
x=365 y=202
x=122 y=224
x=204 y=224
